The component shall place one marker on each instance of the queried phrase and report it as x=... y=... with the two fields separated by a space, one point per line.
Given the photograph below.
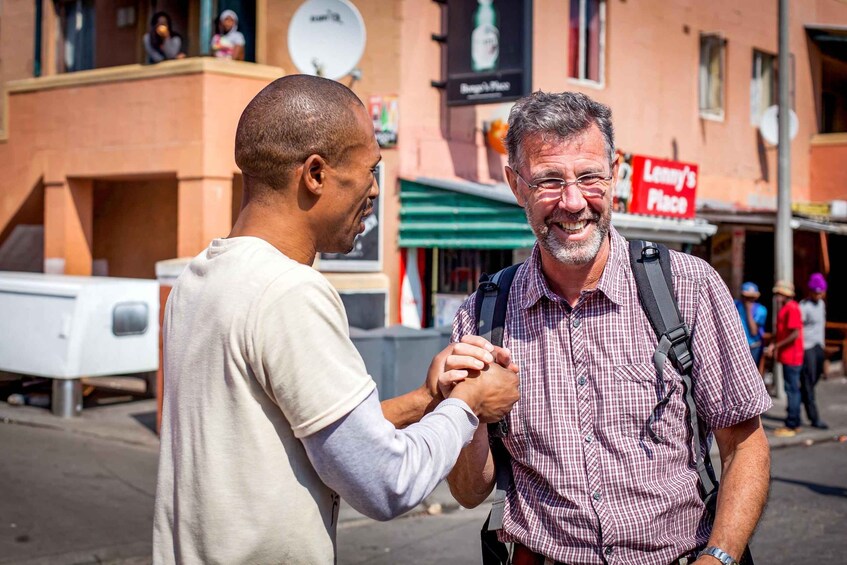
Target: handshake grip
x=491 y=394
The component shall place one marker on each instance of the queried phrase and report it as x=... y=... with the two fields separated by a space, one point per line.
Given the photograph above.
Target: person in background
x=813 y=309
x=788 y=350
x=228 y=43
x=161 y=42
x=753 y=316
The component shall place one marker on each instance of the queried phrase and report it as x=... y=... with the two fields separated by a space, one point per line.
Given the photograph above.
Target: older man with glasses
x=590 y=483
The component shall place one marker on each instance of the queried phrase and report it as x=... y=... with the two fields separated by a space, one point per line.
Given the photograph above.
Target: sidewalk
x=831 y=397
x=132 y=422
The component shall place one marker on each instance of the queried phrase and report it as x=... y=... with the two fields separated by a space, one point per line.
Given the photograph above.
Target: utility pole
x=783 y=239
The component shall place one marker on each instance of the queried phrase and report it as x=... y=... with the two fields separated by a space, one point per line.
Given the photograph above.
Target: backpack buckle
x=682 y=357
x=650 y=251
x=488 y=287
x=678 y=335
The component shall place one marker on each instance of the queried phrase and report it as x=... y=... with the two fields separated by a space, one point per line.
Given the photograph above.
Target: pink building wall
x=651 y=84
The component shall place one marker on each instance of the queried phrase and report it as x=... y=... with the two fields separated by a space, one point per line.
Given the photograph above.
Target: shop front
x=743 y=249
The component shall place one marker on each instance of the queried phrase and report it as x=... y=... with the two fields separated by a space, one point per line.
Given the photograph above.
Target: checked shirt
x=590 y=485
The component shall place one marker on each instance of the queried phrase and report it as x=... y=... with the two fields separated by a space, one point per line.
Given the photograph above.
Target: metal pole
x=783 y=240
x=206 y=27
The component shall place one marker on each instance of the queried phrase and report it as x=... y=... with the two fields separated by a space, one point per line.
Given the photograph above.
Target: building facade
x=113 y=165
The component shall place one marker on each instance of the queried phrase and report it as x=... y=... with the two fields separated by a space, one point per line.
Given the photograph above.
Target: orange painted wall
x=183 y=125
x=135 y=225
x=178 y=126
x=829 y=175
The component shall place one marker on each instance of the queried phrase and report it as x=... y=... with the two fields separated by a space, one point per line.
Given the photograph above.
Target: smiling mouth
x=571 y=227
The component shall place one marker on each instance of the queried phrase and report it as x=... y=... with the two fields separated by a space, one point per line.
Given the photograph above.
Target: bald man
x=269 y=411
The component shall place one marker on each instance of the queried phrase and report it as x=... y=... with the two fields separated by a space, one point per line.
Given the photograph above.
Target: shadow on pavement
x=815 y=487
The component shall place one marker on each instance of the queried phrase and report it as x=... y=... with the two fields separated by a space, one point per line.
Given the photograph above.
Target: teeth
x=572 y=226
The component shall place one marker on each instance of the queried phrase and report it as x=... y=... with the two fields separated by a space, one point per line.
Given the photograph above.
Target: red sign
x=663 y=188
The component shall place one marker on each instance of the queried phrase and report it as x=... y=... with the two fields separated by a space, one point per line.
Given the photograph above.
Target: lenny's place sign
x=663 y=188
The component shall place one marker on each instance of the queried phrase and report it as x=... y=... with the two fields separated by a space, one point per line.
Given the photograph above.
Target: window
x=712 y=61
x=764 y=84
x=586 y=47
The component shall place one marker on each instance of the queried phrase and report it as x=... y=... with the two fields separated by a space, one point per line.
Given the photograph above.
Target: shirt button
x=589 y=438
x=576 y=322
x=608 y=550
x=596 y=496
x=582 y=381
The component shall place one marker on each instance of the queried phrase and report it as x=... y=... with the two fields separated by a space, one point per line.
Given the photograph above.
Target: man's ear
x=314 y=174
x=615 y=170
x=513 y=184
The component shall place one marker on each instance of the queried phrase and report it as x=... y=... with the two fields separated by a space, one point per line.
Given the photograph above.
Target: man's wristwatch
x=719 y=554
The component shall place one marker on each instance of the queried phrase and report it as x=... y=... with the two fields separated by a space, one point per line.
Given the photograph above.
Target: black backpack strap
x=651 y=267
x=492 y=300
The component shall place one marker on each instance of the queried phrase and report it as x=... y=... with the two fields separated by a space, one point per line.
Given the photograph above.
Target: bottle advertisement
x=488 y=50
x=385 y=112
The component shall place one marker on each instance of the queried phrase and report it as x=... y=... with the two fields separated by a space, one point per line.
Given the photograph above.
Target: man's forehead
x=586 y=144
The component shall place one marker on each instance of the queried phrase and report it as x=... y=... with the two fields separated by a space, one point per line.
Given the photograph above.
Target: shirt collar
x=612 y=282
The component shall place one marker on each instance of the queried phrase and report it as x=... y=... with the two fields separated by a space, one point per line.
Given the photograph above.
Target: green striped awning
x=439 y=217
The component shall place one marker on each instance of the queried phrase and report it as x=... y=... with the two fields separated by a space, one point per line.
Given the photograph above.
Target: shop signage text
x=663 y=188
x=489 y=50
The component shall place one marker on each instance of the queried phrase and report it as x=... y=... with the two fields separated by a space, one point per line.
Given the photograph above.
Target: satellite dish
x=769 y=125
x=326 y=38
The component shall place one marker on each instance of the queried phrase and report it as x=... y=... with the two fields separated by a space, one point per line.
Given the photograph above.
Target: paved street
x=71 y=498
x=81 y=491
x=804 y=523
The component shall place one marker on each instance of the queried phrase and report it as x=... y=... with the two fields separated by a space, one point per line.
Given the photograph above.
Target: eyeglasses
x=592 y=185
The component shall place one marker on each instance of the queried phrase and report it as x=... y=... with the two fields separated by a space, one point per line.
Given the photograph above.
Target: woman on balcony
x=162 y=42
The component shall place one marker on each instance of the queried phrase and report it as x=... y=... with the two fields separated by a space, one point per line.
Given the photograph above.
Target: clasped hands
x=477 y=372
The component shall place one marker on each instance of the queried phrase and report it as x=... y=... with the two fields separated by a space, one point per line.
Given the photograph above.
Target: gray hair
x=561 y=116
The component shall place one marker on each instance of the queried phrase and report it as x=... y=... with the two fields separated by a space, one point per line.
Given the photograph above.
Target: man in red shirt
x=788 y=349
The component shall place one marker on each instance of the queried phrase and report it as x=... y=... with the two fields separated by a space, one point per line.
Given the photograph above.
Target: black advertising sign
x=489 y=50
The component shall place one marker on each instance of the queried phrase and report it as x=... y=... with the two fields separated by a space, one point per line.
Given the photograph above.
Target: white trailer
x=66 y=327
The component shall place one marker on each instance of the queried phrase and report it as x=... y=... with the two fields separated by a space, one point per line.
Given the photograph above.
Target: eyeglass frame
x=567 y=183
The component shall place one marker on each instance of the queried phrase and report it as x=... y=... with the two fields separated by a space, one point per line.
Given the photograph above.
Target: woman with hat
x=228 y=43
x=788 y=349
x=753 y=317
x=813 y=309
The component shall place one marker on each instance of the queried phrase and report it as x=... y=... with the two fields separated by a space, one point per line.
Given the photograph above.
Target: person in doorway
x=228 y=42
x=787 y=348
x=161 y=42
x=269 y=413
x=590 y=484
x=753 y=316
x=813 y=309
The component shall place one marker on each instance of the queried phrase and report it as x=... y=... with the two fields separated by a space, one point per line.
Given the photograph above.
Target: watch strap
x=719 y=554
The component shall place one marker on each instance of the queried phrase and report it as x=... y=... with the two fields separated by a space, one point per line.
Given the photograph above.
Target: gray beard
x=569 y=252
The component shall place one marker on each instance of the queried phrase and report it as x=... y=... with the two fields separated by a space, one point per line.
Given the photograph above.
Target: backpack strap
x=492 y=299
x=651 y=267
